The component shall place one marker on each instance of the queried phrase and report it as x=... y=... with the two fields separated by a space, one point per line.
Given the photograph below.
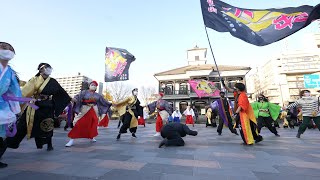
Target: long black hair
x=40 y=66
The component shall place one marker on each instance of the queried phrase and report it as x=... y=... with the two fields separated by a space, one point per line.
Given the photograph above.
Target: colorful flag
x=117 y=64
x=204 y=88
x=258 y=27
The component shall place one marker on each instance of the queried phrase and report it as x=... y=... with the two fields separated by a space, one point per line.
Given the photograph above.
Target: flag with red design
x=258 y=27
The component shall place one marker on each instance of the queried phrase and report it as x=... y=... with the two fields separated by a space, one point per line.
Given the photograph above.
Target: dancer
x=9 y=86
x=244 y=115
x=164 y=111
x=310 y=110
x=89 y=107
x=173 y=133
x=209 y=117
x=266 y=113
x=51 y=99
x=225 y=113
x=189 y=113
x=176 y=115
x=130 y=111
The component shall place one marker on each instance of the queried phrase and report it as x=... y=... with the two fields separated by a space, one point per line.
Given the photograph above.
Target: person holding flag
x=244 y=115
x=225 y=113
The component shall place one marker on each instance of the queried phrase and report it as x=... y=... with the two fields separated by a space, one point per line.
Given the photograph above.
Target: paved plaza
x=204 y=157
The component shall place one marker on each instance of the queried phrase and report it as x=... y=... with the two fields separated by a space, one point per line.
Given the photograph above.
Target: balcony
x=177 y=92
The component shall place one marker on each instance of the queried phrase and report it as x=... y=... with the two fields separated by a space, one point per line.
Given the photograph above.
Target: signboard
x=311 y=80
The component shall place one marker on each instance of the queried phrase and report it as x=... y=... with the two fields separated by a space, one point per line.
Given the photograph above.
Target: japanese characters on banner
x=204 y=88
x=258 y=27
x=117 y=64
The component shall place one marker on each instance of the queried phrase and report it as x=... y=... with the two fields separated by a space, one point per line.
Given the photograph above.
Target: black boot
x=49 y=147
x=163 y=142
x=118 y=137
x=3 y=165
x=298 y=135
x=134 y=135
x=3 y=148
x=39 y=143
x=235 y=132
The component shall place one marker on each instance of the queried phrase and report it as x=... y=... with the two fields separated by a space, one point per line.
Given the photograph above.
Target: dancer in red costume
x=164 y=111
x=89 y=107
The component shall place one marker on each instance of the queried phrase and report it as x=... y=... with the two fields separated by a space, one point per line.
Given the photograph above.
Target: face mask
x=47 y=71
x=93 y=88
x=307 y=94
x=6 y=55
x=260 y=99
x=135 y=93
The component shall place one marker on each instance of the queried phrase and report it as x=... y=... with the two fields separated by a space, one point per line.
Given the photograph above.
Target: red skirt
x=189 y=119
x=86 y=127
x=104 y=122
x=159 y=123
x=141 y=121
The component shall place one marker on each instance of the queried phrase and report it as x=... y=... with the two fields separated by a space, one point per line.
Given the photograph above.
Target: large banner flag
x=204 y=88
x=117 y=63
x=258 y=27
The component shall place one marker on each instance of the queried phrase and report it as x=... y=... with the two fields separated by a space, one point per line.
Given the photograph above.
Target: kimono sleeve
x=61 y=99
x=139 y=109
x=103 y=105
x=168 y=108
x=243 y=102
x=29 y=88
x=255 y=109
x=274 y=110
x=14 y=90
x=152 y=107
x=214 y=105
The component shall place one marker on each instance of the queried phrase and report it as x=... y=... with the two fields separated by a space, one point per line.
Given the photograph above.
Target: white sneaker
x=157 y=134
x=70 y=143
x=93 y=140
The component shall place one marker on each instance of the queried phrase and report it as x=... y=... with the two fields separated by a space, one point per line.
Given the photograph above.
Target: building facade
x=281 y=77
x=177 y=90
x=73 y=84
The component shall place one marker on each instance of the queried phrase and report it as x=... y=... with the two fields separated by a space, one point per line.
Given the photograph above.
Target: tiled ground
x=206 y=156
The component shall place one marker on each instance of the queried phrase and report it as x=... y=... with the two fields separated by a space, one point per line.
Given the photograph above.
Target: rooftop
x=183 y=70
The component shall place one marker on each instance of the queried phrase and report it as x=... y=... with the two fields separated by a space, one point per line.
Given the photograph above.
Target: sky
x=72 y=35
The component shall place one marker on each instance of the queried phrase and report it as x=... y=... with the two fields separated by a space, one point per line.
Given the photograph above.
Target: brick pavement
x=206 y=156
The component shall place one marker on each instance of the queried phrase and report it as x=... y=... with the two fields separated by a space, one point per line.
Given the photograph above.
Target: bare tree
x=118 y=90
x=146 y=94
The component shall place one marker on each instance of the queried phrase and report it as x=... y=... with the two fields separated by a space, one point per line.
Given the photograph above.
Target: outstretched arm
x=227 y=88
x=188 y=131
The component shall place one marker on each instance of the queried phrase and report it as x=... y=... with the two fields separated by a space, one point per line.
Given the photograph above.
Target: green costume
x=266 y=109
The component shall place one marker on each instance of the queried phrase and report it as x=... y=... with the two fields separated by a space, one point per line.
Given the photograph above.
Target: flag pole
x=214 y=59
x=215 y=62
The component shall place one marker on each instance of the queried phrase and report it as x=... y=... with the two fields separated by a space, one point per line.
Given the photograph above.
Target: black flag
x=259 y=27
x=117 y=62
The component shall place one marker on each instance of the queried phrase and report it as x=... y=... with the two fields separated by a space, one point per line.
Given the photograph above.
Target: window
x=318 y=45
x=196 y=58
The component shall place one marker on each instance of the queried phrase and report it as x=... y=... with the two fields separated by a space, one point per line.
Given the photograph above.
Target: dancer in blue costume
x=9 y=88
